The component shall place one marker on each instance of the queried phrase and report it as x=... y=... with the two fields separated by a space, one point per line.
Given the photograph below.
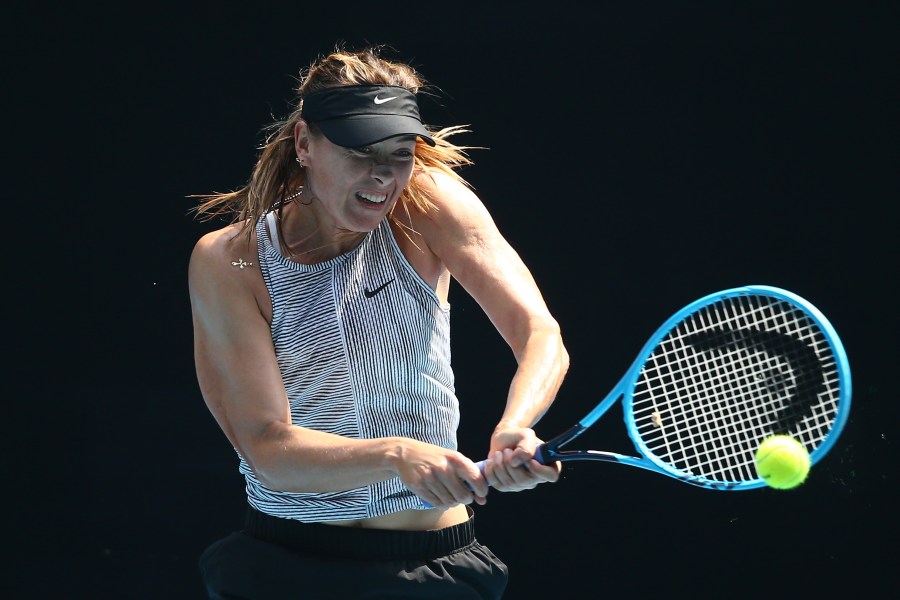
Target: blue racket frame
x=550 y=451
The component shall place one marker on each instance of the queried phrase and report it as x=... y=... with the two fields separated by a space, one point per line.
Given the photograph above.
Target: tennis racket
x=716 y=379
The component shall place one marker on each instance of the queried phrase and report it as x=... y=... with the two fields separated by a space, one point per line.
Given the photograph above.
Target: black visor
x=360 y=115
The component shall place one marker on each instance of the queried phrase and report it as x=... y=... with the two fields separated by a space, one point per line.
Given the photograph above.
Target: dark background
x=640 y=155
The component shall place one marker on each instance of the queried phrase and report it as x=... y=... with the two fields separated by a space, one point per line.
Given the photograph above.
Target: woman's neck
x=309 y=240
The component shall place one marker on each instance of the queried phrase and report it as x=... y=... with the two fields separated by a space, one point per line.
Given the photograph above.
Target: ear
x=301 y=139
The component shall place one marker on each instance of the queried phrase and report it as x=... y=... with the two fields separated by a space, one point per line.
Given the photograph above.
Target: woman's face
x=357 y=187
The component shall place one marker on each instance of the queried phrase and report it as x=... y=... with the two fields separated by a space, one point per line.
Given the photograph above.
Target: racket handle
x=538 y=456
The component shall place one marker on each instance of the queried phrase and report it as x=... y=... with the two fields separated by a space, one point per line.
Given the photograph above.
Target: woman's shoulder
x=440 y=186
x=454 y=203
x=225 y=239
x=234 y=243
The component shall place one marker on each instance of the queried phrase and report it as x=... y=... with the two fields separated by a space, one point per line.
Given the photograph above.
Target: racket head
x=729 y=370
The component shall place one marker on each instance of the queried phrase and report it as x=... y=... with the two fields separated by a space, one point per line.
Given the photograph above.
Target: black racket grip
x=538 y=456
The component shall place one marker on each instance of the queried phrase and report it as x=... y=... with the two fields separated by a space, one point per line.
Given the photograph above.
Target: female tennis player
x=322 y=345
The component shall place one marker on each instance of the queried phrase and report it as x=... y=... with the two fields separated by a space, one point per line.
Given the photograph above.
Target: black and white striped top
x=363 y=344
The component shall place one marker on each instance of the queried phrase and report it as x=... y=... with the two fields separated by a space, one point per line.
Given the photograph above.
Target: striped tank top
x=363 y=345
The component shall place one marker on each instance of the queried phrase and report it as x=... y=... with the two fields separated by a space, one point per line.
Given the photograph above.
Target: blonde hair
x=276 y=173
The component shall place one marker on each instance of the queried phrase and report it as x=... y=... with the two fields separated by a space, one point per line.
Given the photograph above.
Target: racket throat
x=548 y=452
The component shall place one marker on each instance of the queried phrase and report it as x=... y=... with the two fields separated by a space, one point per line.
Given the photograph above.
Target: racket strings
x=728 y=376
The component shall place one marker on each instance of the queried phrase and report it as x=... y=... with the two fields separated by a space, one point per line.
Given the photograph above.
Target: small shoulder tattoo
x=241 y=263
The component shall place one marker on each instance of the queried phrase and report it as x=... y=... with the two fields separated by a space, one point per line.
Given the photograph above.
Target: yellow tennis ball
x=782 y=462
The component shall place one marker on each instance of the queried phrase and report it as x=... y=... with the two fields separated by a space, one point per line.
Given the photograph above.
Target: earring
x=299 y=162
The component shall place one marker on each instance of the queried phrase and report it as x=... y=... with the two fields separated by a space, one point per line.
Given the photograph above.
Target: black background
x=639 y=155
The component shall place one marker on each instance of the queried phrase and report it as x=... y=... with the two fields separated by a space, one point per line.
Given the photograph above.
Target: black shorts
x=275 y=559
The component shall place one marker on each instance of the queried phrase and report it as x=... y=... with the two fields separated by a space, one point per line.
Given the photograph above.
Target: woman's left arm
x=463 y=235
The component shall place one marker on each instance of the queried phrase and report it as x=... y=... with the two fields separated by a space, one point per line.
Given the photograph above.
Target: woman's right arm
x=240 y=381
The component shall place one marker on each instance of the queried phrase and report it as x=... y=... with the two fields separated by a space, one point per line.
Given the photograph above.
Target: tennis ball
x=782 y=462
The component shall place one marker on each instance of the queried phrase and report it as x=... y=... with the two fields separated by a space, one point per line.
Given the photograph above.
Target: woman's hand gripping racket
x=716 y=379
